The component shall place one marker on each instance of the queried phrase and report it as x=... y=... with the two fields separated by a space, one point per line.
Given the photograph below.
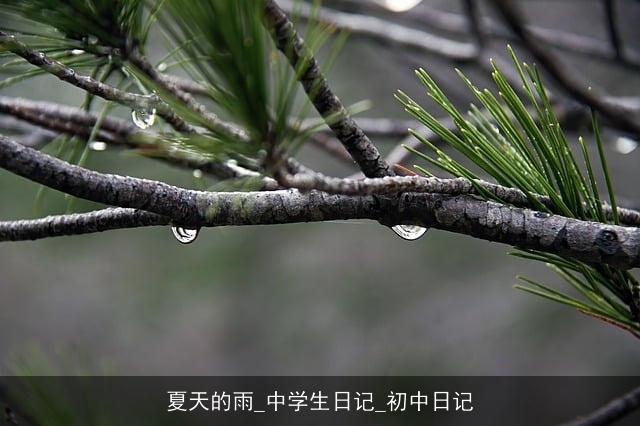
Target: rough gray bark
x=617 y=246
x=322 y=97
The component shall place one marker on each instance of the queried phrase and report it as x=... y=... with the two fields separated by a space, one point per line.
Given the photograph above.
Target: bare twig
x=26 y=133
x=382 y=29
x=612 y=28
x=475 y=22
x=65 y=119
x=90 y=85
x=611 y=412
x=458 y=24
x=117 y=132
x=79 y=223
x=185 y=84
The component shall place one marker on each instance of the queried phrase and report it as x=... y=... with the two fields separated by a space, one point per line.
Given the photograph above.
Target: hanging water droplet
x=143 y=118
x=162 y=67
x=77 y=52
x=398 y=5
x=409 y=232
x=185 y=235
x=197 y=173
x=97 y=146
x=625 y=145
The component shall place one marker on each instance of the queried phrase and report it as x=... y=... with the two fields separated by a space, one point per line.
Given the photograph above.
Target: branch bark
x=592 y=242
x=611 y=412
x=289 y=42
x=84 y=82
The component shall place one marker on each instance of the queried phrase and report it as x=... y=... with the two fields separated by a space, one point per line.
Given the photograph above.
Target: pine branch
x=611 y=412
x=306 y=181
x=382 y=29
x=586 y=241
x=65 y=119
x=79 y=223
x=90 y=85
x=458 y=24
x=114 y=131
x=322 y=97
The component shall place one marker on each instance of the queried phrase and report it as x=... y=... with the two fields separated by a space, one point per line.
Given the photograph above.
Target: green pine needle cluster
x=224 y=46
x=520 y=144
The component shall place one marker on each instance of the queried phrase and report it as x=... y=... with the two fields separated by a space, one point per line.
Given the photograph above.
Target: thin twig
x=213 y=121
x=611 y=412
x=612 y=28
x=66 y=119
x=383 y=29
x=185 y=84
x=458 y=24
x=116 y=132
x=79 y=223
x=90 y=85
x=559 y=39
x=26 y=133
x=315 y=84
x=475 y=22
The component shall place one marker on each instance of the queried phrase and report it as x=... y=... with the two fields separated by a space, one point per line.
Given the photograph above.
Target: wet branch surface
x=617 y=246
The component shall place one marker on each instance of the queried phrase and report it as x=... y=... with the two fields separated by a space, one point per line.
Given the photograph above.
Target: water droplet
x=162 y=67
x=185 y=235
x=97 y=146
x=143 y=118
x=398 y=5
x=409 y=232
x=625 y=145
x=197 y=173
x=77 y=52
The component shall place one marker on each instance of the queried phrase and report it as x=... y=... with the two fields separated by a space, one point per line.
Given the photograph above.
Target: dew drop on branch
x=185 y=235
x=409 y=232
x=143 y=118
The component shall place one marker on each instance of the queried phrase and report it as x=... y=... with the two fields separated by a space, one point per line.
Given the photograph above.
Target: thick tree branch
x=306 y=180
x=363 y=151
x=586 y=241
x=611 y=412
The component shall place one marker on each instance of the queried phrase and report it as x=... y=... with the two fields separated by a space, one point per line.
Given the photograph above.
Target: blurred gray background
x=348 y=298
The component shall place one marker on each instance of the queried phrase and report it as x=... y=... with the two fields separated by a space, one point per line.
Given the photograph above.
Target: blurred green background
x=347 y=298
